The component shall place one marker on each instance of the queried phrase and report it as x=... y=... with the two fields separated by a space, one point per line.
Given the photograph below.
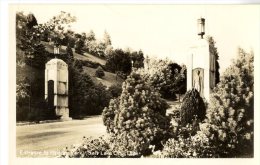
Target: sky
x=164 y=30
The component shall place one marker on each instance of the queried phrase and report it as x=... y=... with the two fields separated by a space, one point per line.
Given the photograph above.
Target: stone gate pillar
x=56 y=75
x=201 y=65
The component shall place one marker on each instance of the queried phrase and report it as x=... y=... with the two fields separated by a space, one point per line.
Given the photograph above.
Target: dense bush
x=115 y=90
x=86 y=98
x=100 y=72
x=192 y=107
x=38 y=58
x=79 y=44
x=137 y=118
x=87 y=63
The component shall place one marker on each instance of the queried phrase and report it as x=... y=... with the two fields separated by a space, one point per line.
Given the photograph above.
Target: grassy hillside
x=86 y=56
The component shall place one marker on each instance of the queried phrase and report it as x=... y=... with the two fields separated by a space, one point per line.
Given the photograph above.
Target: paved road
x=46 y=140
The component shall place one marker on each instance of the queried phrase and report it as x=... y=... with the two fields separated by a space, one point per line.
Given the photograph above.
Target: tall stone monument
x=201 y=65
x=57 y=86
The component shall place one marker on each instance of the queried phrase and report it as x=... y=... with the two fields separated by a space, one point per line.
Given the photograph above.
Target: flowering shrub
x=126 y=145
x=90 y=148
x=197 y=146
x=101 y=147
x=138 y=117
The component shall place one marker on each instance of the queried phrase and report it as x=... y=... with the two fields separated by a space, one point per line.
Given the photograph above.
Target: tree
x=57 y=26
x=214 y=51
x=69 y=38
x=179 y=74
x=31 y=21
x=69 y=54
x=108 y=51
x=231 y=108
x=79 y=44
x=100 y=49
x=138 y=59
x=91 y=36
x=107 y=39
x=28 y=39
x=91 y=43
x=119 y=60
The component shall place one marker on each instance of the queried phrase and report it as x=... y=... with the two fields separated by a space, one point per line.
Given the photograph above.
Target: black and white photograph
x=134 y=81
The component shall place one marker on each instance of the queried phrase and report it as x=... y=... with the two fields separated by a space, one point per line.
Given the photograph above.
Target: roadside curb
x=40 y=122
x=52 y=121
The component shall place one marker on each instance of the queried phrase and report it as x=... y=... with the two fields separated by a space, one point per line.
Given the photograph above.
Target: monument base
x=65 y=118
x=63 y=112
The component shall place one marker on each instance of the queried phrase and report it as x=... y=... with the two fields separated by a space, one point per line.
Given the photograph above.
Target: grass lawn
x=108 y=80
